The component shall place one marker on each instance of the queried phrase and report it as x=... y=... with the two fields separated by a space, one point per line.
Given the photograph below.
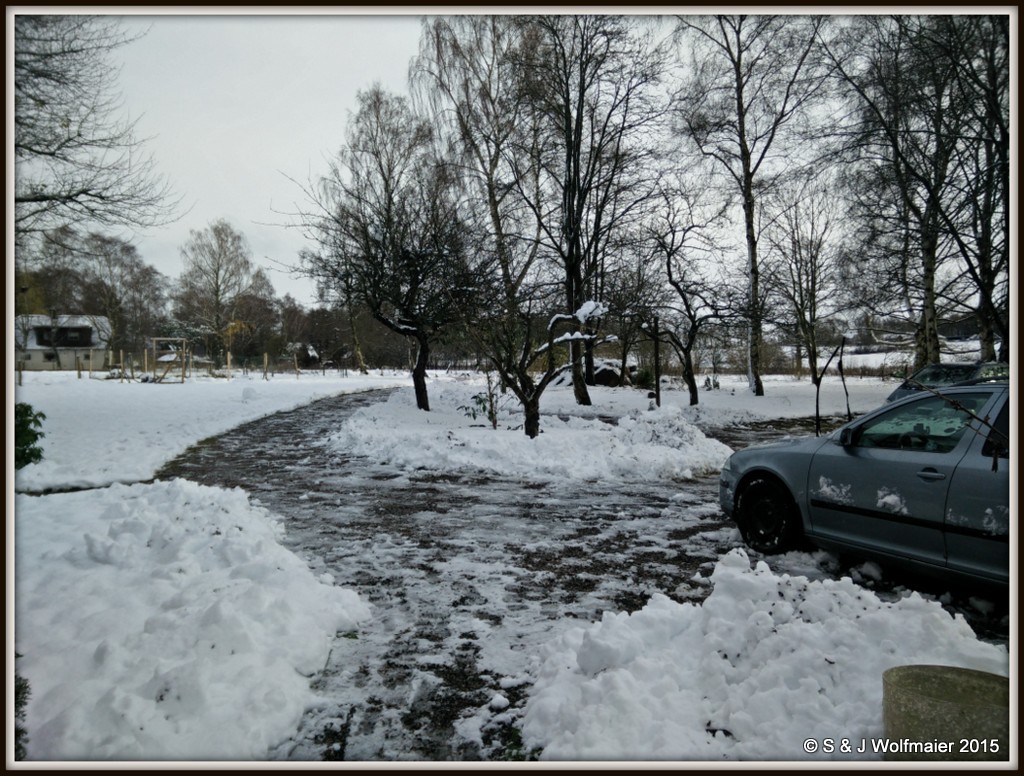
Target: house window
x=67 y=337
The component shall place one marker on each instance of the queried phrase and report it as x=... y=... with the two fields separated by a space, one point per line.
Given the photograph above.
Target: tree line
x=221 y=303
x=553 y=182
x=552 y=185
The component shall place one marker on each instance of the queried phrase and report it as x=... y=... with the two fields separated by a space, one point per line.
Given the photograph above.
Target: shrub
x=644 y=380
x=21 y=695
x=27 y=425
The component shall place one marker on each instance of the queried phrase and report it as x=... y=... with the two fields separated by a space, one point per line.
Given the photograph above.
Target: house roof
x=27 y=324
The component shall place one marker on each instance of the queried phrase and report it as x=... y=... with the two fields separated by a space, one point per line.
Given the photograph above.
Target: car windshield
x=943 y=374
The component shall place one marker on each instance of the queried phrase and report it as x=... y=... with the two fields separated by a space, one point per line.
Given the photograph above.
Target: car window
x=998 y=441
x=933 y=425
x=994 y=370
x=943 y=374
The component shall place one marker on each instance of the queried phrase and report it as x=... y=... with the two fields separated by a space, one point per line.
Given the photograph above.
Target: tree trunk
x=986 y=334
x=1004 y=349
x=357 y=350
x=754 y=362
x=811 y=341
x=531 y=411
x=690 y=378
x=624 y=379
x=920 y=346
x=929 y=313
x=419 y=374
x=579 y=381
x=588 y=363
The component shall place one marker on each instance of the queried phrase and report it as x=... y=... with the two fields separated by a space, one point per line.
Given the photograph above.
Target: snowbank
x=766 y=663
x=166 y=621
x=456 y=437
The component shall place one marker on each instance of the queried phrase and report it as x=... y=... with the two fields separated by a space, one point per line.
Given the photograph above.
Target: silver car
x=945 y=375
x=924 y=481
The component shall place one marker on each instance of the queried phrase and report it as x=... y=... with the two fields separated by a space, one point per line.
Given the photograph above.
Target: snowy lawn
x=167 y=621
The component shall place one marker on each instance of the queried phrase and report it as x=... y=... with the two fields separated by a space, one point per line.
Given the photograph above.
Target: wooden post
x=295 y=356
x=229 y=365
x=266 y=359
x=21 y=367
x=657 y=363
x=78 y=366
x=90 y=363
x=121 y=380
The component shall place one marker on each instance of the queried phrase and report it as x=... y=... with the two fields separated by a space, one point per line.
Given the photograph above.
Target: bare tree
x=803 y=262
x=77 y=161
x=144 y=305
x=389 y=223
x=218 y=270
x=56 y=264
x=121 y=287
x=591 y=83
x=635 y=293
x=932 y=126
x=979 y=48
x=682 y=237
x=752 y=79
x=468 y=74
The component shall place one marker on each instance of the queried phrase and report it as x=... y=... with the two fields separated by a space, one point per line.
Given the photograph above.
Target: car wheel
x=767 y=517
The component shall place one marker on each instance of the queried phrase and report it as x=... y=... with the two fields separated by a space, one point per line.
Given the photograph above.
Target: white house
x=61 y=342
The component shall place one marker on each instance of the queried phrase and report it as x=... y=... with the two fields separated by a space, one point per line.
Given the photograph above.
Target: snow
x=166 y=620
x=765 y=663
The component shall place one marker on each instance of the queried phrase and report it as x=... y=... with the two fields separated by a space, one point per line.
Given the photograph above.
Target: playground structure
x=169 y=358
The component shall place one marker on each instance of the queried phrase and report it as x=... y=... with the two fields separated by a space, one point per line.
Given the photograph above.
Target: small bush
x=644 y=380
x=21 y=696
x=27 y=425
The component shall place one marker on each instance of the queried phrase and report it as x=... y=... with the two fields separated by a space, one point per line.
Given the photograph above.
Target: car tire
x=767 y=516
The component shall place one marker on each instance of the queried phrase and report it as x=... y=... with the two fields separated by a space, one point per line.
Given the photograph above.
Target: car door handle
x=931 y=474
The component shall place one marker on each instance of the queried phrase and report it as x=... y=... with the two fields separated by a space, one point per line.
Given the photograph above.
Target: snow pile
x=644 y=444
x=166 y=621
x=765 y=663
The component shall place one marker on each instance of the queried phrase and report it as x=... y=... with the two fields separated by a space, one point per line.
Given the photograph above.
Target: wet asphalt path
x=465 y=576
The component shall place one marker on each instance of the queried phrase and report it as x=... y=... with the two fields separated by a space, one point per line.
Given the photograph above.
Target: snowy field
x=166 y=621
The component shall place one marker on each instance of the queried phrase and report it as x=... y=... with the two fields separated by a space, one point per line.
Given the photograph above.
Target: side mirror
x=847 y=437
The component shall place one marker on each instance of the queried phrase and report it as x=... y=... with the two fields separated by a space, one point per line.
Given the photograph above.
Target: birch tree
x=751 y=80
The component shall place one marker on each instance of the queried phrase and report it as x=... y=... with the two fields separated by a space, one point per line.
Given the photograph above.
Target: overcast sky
x=232 y=104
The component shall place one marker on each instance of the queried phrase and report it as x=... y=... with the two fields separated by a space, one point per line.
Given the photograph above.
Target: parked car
x=923 y=482
x=943 y=375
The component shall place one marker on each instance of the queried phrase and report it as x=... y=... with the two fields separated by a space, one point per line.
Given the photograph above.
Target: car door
x=977 y=508
x=885 y=488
